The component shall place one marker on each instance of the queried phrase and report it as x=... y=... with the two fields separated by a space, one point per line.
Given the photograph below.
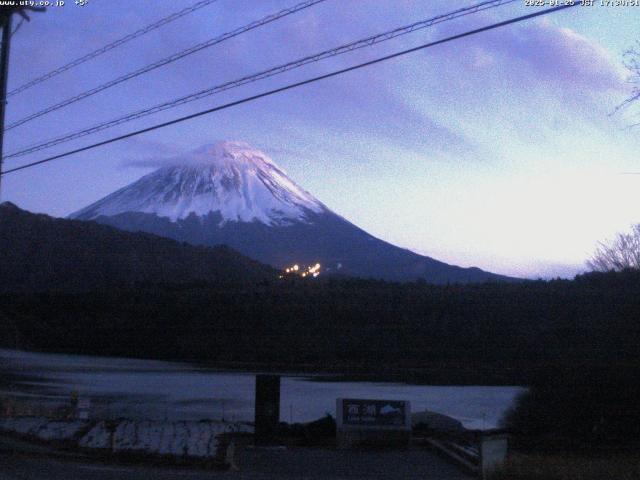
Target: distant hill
x=38 y=252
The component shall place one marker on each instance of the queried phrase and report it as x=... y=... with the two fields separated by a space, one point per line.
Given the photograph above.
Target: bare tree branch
x=621 y=253
x=631 y=60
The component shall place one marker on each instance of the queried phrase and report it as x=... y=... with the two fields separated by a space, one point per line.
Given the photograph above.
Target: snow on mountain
x=241 y=183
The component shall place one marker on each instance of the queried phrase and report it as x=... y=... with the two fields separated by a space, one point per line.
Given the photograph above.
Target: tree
x=632 y=63
x=621 y=253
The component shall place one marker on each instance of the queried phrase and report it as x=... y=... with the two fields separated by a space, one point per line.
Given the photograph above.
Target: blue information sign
x=373 y=412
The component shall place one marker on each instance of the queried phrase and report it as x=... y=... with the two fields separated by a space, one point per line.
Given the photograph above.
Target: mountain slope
x=329 y=239
x=229 y=193
x=38 y=252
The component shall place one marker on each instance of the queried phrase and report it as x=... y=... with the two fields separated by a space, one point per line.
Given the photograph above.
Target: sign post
x=361 y=422
x=267 y=408
x=83 y=408
x=493 y=452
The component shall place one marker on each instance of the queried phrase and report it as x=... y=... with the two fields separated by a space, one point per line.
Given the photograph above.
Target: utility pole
x=4 y=74
x=5 y=21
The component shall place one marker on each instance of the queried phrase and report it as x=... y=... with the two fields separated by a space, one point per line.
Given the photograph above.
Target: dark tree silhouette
x=631 y=61
x=621 y=253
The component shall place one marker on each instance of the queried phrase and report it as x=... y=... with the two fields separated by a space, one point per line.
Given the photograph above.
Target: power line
x=295 y=85
x=366 y=42
x=121 y=41
x=165 y=61
x=6 y=14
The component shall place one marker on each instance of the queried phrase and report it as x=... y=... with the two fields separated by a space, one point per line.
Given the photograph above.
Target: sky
x=501 y=150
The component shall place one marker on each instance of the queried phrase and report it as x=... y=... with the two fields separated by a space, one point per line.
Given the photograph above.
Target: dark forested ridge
x=82 y=287
x=482 y=333
x=38 y=252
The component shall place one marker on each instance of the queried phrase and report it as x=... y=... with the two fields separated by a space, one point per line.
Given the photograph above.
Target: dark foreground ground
x=18 y=462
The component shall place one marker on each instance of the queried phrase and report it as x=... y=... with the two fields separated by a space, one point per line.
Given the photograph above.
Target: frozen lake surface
x=122 y=387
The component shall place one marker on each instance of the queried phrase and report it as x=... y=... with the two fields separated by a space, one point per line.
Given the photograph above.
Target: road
x=20 y=467
x=254 y=464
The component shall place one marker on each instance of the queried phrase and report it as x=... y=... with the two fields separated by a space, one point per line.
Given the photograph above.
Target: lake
x=182 y=391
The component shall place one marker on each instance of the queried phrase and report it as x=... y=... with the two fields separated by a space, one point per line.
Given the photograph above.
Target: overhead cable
x=349 y=47
x=121 y=41
x=294 y=85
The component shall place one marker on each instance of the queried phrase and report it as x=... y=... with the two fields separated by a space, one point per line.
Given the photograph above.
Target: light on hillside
x=303 y=271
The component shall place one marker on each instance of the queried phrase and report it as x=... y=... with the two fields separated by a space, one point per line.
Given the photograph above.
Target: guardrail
x=479 y=452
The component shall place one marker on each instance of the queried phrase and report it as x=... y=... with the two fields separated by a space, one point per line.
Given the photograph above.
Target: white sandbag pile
x=182 y=439
x=43 y=428
x=177 y=439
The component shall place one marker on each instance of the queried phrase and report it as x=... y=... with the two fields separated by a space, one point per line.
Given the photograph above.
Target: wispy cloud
x=147 y=153
x=557 y=54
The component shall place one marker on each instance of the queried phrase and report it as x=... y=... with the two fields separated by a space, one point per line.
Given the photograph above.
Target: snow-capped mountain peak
x=239 y=182
x=242 y=199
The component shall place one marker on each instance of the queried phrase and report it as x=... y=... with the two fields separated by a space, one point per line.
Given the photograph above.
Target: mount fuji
x=229 y=193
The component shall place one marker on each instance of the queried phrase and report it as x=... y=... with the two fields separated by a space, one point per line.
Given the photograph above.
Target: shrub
x=579 y=408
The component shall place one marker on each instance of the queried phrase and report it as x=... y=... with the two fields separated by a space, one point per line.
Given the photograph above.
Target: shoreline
x=436 y=374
